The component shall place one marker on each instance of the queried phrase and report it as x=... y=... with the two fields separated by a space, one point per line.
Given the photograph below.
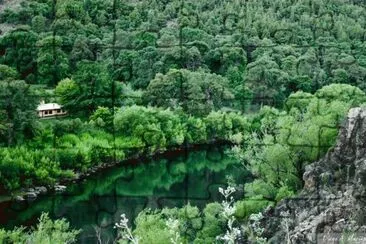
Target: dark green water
x=172 y=181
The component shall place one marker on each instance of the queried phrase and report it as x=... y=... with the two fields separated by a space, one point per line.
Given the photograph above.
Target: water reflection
x=98 y=202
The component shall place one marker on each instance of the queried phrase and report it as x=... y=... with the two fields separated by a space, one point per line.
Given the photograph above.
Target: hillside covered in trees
x=272 y=79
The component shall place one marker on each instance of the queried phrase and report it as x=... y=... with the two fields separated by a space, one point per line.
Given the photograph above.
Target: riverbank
x=32 y=193
x=66 y=146
x=180 y=176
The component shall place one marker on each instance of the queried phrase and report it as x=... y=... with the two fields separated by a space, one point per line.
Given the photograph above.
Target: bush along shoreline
x=31 y=193
x=68 y=150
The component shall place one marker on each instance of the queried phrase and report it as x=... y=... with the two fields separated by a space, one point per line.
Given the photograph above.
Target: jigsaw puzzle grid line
x=247 y=49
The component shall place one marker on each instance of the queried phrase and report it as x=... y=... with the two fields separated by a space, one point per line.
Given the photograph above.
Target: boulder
x=60 y=188
x=19 y=198
x=41 y=189
x=31 y=195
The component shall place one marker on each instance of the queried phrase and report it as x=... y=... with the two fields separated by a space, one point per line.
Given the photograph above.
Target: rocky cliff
x=332 y=204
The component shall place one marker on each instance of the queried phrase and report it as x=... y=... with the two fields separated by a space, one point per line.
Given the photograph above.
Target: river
x=171 y=180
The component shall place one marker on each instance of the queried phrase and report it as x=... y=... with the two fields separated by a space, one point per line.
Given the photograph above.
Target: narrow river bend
x=173 y=180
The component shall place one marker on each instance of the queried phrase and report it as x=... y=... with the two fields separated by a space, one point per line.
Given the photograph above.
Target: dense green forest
x=272 y=78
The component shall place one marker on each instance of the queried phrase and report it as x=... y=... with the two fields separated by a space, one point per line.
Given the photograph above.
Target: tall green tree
x=90 y=87
x=266 y=80
x=53 y=64
x=196 y=93
x=18 y=105
x=20 y=52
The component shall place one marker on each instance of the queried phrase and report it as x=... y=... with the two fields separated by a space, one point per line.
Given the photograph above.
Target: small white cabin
x=47 y=110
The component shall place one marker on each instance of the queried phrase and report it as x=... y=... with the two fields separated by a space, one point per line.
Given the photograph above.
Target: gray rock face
x=333 y=201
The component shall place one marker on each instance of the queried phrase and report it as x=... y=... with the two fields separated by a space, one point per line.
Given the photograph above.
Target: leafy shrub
x=250 y=206
x=20 y=163
x=47 y=231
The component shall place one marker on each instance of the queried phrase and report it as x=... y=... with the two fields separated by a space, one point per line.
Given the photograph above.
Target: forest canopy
x=273 y=79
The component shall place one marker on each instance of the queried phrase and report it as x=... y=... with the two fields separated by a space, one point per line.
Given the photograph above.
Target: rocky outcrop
x=30 y=194
x=332 y=203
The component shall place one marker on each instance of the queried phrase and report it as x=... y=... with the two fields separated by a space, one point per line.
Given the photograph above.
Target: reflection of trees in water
x=101 y=199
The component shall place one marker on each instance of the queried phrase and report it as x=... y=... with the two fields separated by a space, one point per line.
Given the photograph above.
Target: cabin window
x=50 y=112
x=46 y=112
x=58 y=111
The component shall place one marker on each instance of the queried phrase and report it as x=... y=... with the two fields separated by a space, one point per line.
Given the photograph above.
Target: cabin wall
x=51 y=113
